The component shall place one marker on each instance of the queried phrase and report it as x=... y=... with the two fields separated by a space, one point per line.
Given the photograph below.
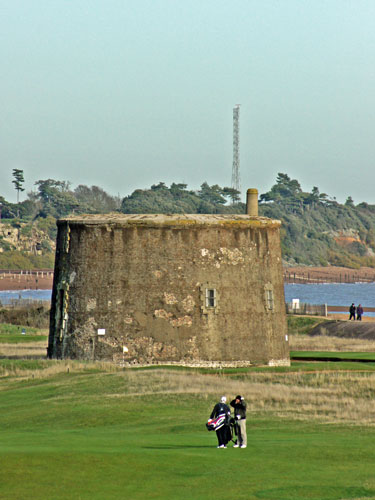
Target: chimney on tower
x=252 y=202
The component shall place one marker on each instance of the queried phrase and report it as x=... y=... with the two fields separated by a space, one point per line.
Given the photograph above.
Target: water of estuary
x=337 y=294
x=333 y=294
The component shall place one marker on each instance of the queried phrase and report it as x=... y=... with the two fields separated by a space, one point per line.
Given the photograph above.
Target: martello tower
x=192 y=289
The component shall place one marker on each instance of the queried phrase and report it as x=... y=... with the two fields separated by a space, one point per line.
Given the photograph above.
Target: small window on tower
x=210 y=297
x=269 y=299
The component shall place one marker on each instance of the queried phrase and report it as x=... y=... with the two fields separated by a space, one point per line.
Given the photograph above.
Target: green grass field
x=369 y=356
x=75 y=431
x=12 y=334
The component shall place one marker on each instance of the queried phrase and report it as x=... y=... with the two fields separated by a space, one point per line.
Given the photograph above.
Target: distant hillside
x=28 y=228
x=319 y=231
x=27 y=245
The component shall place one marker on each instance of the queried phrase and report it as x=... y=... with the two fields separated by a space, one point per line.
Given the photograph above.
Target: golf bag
x=233 y=429
x=214 y=424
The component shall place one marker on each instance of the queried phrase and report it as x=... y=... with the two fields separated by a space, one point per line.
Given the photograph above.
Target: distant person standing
x=359 y=312
x=239 y=406
x=352 y=311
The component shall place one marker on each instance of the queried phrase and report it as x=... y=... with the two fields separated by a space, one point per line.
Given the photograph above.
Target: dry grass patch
x=333 y=397
x=42 y=369
x=30 y=350
x=327 y=343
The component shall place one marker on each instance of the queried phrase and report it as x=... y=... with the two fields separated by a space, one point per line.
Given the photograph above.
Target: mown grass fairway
x=321 y=355
x=76 y=431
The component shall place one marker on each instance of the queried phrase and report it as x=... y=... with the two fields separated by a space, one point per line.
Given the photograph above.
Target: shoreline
x=295 y=274
x=329 y=274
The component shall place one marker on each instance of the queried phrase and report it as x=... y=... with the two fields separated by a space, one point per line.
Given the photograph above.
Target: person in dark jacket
x=223 y=432
x=352 y=312
x=359 y=312
x=239 y=406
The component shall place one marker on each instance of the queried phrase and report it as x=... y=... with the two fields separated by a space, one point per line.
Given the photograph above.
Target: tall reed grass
x=327 y=343
x=31 y=350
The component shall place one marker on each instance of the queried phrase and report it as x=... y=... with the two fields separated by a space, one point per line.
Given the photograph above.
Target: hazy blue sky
x=124 y=94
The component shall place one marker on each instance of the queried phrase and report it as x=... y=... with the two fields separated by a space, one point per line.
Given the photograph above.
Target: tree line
x=57 y=199
x=316 y=229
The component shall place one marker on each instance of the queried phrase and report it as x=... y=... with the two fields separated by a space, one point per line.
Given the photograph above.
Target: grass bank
x=301 y=325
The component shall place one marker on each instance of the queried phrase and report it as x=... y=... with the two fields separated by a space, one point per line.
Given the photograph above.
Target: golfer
x=239 y=406
x=223 y=433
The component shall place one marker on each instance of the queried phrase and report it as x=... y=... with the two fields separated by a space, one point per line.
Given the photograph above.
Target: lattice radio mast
x=236 y=183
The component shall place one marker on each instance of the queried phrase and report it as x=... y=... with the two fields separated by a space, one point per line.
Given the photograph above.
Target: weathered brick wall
x=143 y=280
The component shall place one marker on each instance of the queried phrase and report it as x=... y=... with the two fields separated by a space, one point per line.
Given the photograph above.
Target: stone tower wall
x=181 y=289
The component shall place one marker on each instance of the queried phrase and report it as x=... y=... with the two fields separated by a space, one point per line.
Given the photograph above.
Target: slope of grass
x=85 y=431
x=302 y=324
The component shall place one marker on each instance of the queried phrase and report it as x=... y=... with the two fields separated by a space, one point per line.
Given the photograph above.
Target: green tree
x=5 y=209
x=212 y=194
x=178 y=199
x=349 y=202
x=95 y=200
x=18 y=181
x=285 y=190
x=56 y=198
x=232 y=194
x=159 y=187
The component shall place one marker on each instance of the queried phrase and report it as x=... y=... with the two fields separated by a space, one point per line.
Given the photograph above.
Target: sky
x=124 y=94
